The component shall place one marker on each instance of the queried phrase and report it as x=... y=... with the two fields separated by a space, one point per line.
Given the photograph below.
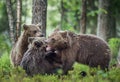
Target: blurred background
x=98 y=17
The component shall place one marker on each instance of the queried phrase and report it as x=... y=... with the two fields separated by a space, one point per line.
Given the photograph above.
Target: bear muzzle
x=38 y=44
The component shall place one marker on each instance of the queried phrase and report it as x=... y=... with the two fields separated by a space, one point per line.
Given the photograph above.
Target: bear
x=37 y=61
x=21 y=46
x=82 y=48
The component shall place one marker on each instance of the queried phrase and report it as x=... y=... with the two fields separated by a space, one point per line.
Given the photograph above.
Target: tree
x=13 y=24
x=83 y=17
x=4 y=25
x=18 y=23
x=77 y=16
x=62 y=13
x=106 y=22
x=10 y=18
x=39 y=13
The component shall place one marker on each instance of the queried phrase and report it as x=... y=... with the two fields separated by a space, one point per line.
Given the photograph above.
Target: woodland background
x=99 y=17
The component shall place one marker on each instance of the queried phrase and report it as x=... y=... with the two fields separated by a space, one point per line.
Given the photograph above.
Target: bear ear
x=25 y=27
x=56 y=29
x=39 y=25
x=30 y=39
x=63 y=34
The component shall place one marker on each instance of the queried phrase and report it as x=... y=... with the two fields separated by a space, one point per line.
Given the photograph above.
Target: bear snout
x=38 y=44
x=42 y=35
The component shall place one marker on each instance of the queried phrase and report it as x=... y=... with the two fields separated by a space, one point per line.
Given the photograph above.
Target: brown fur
x=21 y=45
x=36 y=60
x=85 y=49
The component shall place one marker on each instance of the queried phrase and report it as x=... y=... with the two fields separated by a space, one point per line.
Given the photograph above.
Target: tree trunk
x=77 y=19
x=39 y=13
x=63 y=14
x=111 y=32
x=18 y=23
x=83 y=17
x=103 y=19
x=10 y=18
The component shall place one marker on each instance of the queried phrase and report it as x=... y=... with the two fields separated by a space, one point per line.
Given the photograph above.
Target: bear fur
x=85 y=49
x=36 y=60
x=21 y=45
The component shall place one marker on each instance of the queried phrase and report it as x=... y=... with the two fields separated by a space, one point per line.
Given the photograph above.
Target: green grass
x=9 y=74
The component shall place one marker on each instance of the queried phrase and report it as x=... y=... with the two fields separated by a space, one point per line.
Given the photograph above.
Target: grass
x=9 y=74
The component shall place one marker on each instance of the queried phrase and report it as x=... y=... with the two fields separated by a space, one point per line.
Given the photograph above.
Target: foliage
x=5 y=66
x=71 y=14
x=114 y=45
x=53 y=16
x=9 y=74
x=3 y=17
x=4 y=43
x=69 y=19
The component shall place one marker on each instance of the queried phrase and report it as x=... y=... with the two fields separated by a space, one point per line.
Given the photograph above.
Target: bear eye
x=34 y=31
x=42 y=35
x=53 y=40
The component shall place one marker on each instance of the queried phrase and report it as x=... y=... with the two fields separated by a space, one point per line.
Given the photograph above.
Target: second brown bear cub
x=85 y=49
x=36 y=60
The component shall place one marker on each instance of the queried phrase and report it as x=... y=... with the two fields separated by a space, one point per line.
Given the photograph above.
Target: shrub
x=19 y=75
x=114 y=44
x=5 y=44
x=5 y=65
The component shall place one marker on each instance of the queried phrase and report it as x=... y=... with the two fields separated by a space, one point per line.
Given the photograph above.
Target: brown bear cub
x=85 y=49
x=21 y=45
x=36 y=60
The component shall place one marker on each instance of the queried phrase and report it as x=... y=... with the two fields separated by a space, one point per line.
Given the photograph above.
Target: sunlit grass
x=9 y=74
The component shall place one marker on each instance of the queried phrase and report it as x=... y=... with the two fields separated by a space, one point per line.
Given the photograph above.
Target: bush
x=5 y=65
x=114 y=45
x=9 y=74
x=5 y=44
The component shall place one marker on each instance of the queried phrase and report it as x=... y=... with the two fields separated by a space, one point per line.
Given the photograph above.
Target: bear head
x=37 y=43
x=58 y=40
x=33 y=30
